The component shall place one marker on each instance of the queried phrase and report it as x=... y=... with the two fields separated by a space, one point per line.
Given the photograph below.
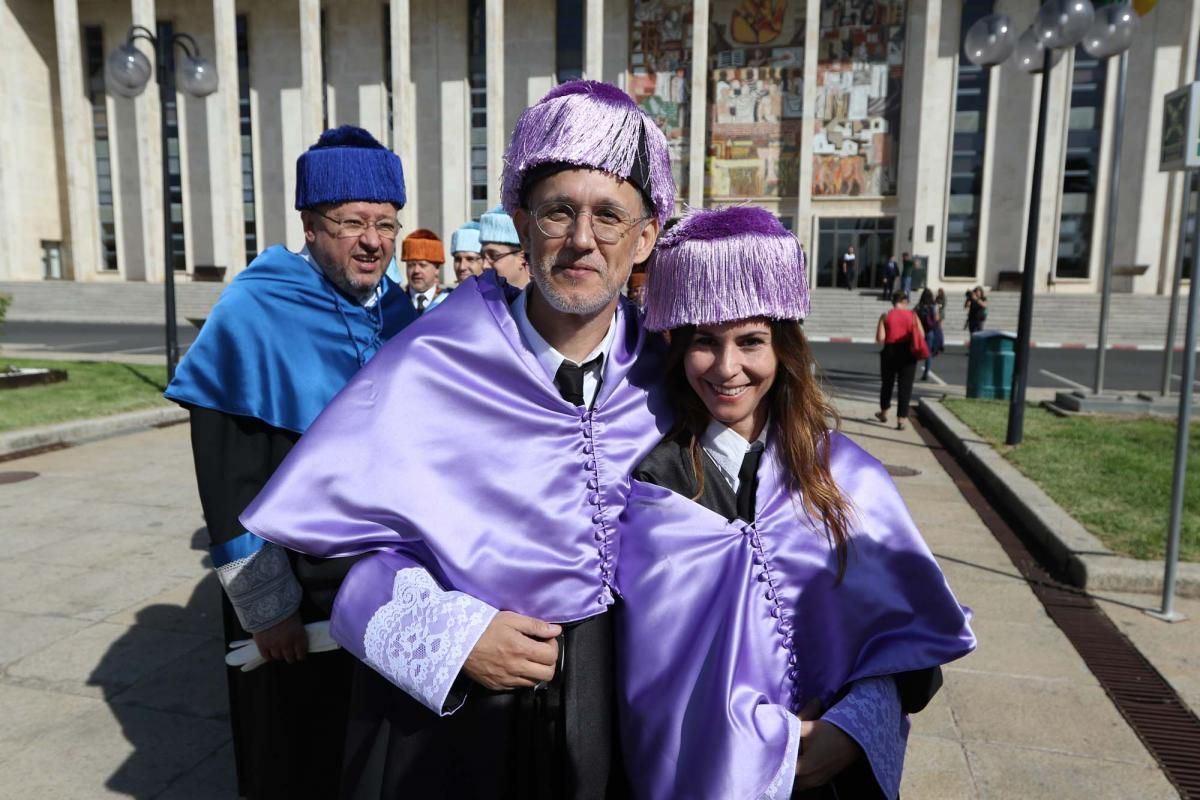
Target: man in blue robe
x=285 y=337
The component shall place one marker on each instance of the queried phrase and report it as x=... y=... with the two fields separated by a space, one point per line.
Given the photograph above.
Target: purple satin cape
x=728 y=627
x=453 y=450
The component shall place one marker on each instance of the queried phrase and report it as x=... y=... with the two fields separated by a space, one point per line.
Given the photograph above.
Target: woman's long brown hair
x=801 y=417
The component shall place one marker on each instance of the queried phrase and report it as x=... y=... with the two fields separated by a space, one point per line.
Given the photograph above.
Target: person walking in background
x=850 y=267
x=940 y=300
x=931 y=319
x=891 y=271
x=895 y=332
x=976 y=306
x=906 y=274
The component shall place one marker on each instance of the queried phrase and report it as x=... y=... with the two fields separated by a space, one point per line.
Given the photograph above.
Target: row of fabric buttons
x=783 y=625
x=594 y=499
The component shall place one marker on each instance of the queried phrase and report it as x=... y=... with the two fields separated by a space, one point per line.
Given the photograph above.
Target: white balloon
x=990 y=40
x=1029 y=53
x=1063 y=23
x=1112 y=31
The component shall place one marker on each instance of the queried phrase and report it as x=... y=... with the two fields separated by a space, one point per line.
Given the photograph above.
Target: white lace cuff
x=780 y=787
x=258 y=579
x=870 y=714
x=420 y=639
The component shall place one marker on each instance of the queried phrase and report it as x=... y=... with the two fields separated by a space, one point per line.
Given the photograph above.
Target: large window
x=93 y=44
x=249 y=232
x=568 y=43
x=874 y=242
x=166 y=32
x=1081 y=171
x=477 y=78
x=966 y=165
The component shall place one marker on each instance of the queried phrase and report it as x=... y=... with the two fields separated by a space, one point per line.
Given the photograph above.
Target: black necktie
x=748 y=482
x=569 y=379
x=420 y=304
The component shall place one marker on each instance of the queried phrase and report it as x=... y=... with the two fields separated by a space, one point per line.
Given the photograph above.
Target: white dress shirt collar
x=727 y=448
x=550 y=359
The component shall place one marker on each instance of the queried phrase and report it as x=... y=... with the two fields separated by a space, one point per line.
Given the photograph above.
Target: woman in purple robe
x=781 y=613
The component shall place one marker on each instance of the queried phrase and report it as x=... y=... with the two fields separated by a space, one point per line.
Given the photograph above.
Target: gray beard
x=565 y=305
x=342 y=282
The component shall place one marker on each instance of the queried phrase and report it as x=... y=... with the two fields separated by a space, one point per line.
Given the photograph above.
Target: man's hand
x=286 y=641
x=825 y=750
x=515 y=652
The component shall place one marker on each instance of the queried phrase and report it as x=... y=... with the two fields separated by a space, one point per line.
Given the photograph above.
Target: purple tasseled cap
x=593 y=125
x=723 y=265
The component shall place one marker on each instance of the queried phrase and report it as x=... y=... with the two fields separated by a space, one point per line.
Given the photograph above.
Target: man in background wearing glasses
x=501 y=247
x=284 y=338
x=495 y=532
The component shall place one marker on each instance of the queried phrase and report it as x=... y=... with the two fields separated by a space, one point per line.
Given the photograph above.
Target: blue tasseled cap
x=347 y=165
x=497 y=226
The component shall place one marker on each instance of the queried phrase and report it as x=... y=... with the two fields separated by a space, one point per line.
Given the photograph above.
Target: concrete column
x=593 y=44
x=78 y=147
x=312 y=88
x=404 y=97
x=697 y=125
x=1057 y=120
x=225 y=144
x=147 y=111
x=496 y=134
x=804 y=227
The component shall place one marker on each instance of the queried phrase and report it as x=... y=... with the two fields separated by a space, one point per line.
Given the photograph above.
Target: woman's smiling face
x=732 y=367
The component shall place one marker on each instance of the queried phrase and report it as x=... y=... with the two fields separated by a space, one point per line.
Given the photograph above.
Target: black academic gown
x=669 y=465
x=288 y=720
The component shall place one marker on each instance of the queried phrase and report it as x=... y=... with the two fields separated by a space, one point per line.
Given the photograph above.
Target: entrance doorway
x=874 y=241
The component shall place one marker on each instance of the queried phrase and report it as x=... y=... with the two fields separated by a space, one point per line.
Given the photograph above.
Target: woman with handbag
x=780 y=612
x=903 y=340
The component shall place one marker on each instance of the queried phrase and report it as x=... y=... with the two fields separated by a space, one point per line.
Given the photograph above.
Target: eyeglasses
x=491 y=256
x=609 y=223
x=352 y=227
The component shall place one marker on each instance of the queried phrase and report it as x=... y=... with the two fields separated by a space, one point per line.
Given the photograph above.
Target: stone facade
x=400 y=68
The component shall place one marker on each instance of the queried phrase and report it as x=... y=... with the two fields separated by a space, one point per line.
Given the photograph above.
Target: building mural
x=860 y=63
x=660 y=68
x=756 y=98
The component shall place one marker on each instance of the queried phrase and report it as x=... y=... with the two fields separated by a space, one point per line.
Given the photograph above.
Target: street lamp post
x=1060 y=24
x=127 y=72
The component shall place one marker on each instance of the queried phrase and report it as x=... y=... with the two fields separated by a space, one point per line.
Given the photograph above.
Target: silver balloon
x=990 y=40
x=127 y=71
x=198 y=77
x=1029 y=52
x=1112 y=31
x=1063 y=23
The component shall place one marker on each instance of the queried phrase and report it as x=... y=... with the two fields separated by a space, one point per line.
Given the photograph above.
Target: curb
x=1087 y=563
x=65 y=434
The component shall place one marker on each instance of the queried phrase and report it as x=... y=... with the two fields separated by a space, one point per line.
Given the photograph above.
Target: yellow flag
x=1143 y=7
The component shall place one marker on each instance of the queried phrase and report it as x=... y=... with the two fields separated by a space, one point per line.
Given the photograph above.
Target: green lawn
x=1113 y=474
x=94 y=389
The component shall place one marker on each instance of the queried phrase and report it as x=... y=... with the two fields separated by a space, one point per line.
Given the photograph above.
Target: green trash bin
x=990 y=365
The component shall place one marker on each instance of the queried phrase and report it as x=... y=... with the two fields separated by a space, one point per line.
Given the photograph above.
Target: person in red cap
x=423 y=255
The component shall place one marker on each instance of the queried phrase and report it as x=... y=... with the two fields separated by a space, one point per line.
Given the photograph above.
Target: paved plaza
x=110 y=678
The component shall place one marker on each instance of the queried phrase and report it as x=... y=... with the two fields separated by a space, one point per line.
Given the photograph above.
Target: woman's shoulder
x=667 y=462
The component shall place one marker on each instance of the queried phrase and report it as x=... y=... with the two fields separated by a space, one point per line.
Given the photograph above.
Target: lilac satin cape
x=727 y=627
x=452 y=450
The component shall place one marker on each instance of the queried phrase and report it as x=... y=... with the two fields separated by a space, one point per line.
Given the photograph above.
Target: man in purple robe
x=494 y=534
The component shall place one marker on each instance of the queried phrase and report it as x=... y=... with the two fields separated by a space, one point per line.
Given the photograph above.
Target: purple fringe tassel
x=724 y=265
x=592 y=125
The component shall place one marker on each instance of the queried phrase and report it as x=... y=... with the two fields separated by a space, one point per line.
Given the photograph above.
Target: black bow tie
x=748 y=482
x=569 y=379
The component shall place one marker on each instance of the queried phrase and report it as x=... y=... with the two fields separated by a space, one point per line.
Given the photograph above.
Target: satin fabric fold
x=281 y=341
x=453 y=449
x=748 y=626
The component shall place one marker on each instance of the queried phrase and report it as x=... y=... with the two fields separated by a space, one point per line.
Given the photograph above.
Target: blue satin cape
x=282 y=341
